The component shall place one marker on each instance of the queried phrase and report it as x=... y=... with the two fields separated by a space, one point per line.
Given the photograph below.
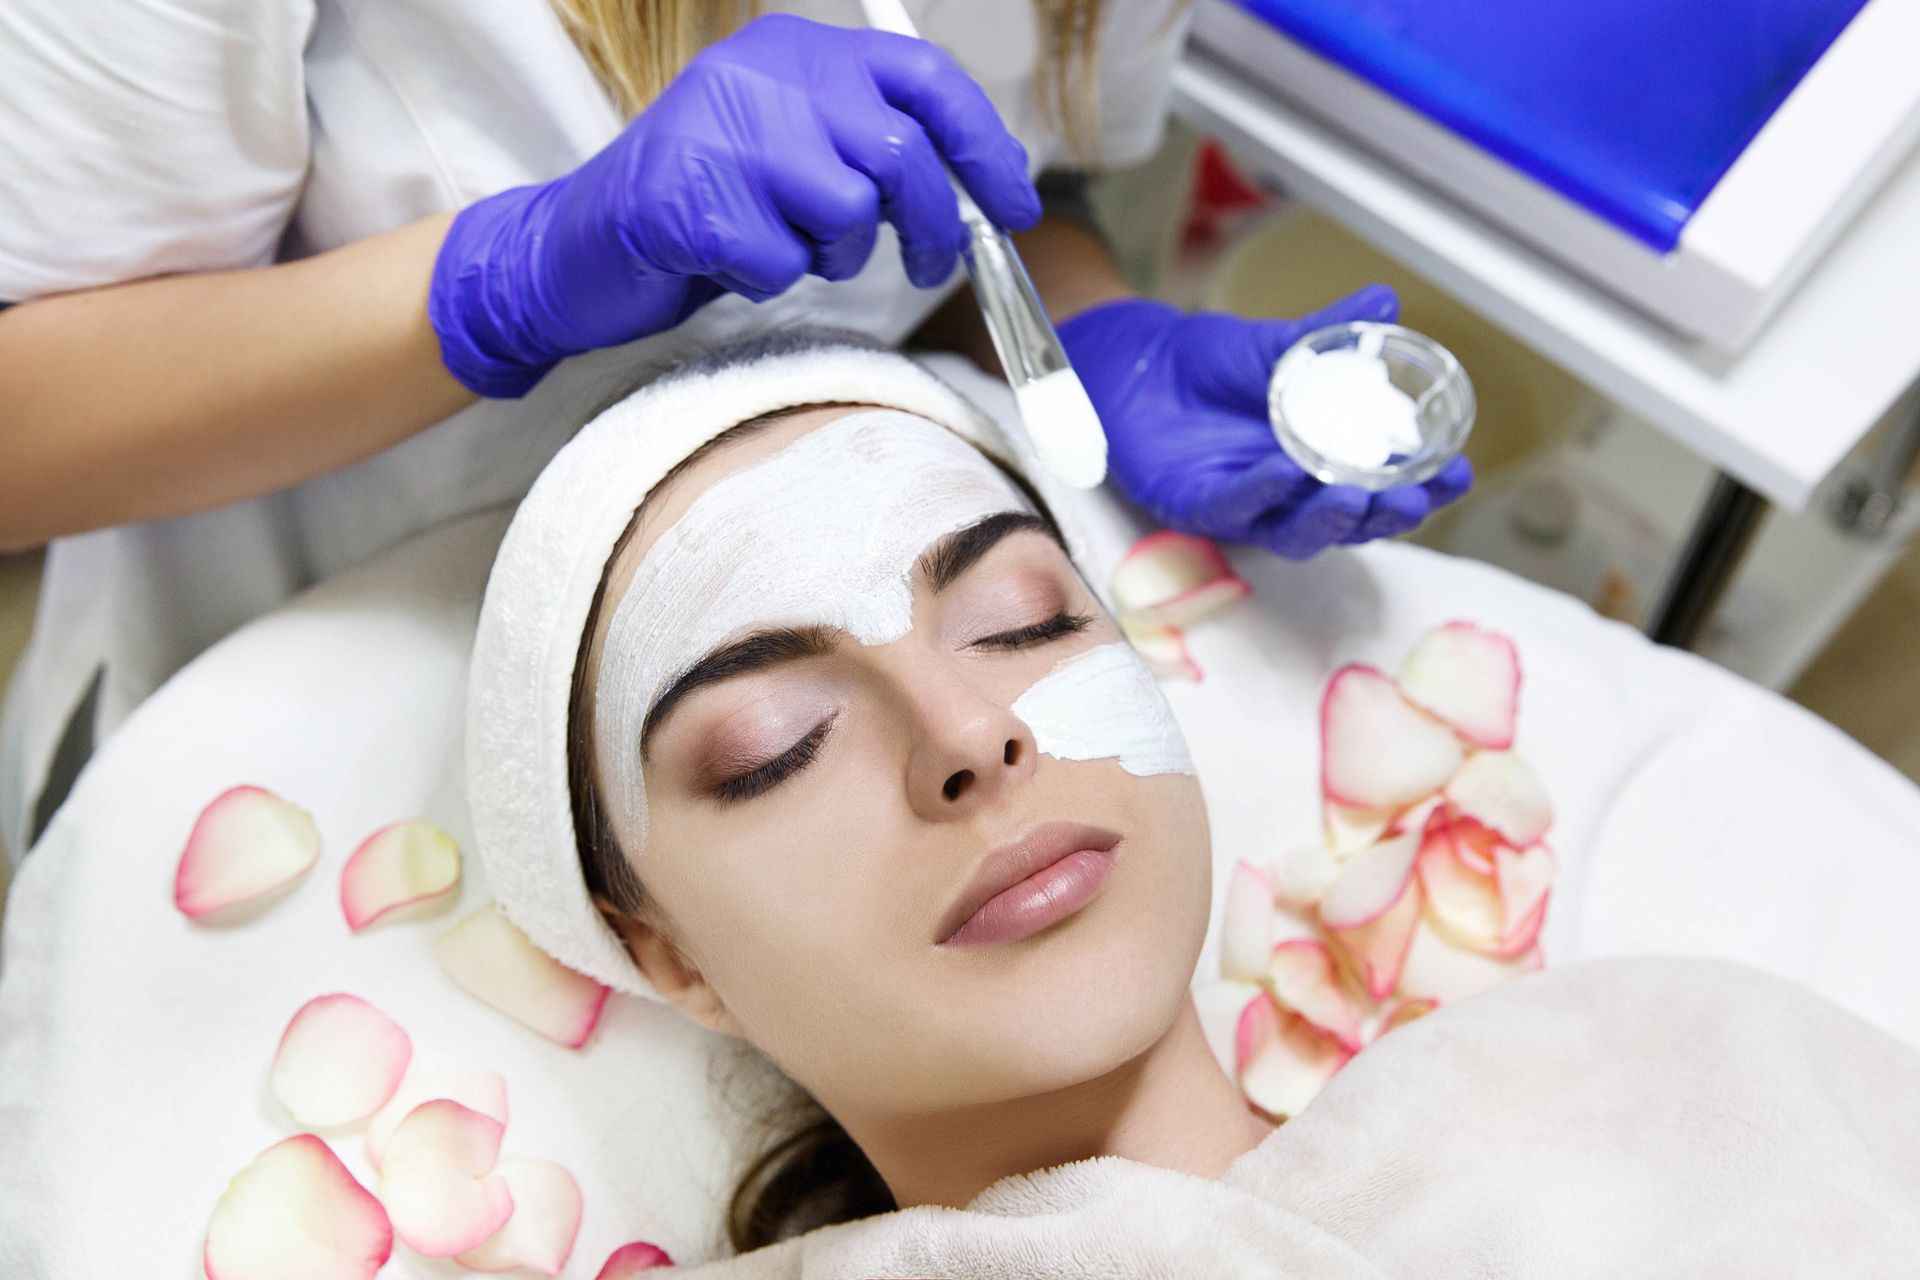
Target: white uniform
x=196 y=135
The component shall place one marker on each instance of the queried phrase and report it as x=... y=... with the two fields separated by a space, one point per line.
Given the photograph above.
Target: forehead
x=670 y=501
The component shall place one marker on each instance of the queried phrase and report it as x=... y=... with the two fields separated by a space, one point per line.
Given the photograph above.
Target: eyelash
x=763 y=778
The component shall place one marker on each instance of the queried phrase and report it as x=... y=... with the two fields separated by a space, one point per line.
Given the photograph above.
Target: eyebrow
x=941 y=565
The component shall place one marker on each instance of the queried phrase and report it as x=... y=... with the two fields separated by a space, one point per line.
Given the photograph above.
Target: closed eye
x=763 y=778
x=1060 y=624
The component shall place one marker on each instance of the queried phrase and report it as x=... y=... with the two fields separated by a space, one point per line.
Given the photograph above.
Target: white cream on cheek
x=1104 y=705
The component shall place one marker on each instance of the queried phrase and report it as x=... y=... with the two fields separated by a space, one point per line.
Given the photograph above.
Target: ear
x=671 y=974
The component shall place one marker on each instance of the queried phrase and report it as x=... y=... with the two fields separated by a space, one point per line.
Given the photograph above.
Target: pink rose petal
x=1163 y=649
x=1173 y=579
x=1370 y=883
x=482 y=1091
x=1401 y=1012
x=437 y=1180
x=1301 y=876
x=1463 y=903
x=1379 y=751
x=1303 y=978
x=397 y=866
x=295 y=1213
x=490 y=959
x=1501 y=791
x=339 y=1059
x=1246 y=925
x=1468 y=677
x=1379 y=947
x=1220 y=1006
x=629 y=1260
x=1350 y=830
x=545 y=1221
x=1524 y=877
x=245 y=845
x=1439 y=970
x=1282 y=1061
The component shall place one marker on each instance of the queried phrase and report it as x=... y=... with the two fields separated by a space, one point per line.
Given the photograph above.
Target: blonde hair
x=636 y=47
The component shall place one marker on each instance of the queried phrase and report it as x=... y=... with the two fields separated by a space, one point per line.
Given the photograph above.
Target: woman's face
x=825 y=791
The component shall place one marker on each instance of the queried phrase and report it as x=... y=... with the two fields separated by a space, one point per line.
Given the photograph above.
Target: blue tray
x=1634 y=109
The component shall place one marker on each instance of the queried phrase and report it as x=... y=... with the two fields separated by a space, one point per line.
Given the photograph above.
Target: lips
x=1041 y=876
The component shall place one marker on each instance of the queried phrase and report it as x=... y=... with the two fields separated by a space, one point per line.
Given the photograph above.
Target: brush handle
x=1022 y=335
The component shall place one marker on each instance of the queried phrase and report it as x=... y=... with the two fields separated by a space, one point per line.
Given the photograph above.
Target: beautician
x=291 y=280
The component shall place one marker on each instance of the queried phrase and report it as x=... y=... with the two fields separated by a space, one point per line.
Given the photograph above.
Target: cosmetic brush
x=1054 y=406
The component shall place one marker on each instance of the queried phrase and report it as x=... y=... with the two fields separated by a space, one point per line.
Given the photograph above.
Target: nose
x=968 y=748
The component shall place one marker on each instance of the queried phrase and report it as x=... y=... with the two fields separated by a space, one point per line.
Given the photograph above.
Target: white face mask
x=826 y=533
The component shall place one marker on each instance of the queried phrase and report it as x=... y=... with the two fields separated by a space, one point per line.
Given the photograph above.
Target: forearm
x=169 y=396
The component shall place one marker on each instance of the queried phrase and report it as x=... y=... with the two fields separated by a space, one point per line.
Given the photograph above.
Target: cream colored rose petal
x=546 y=1220
x=489 y=958
x=245 y=845
x=482 y=1091
x=1173 y=579
x=338 y=1060
x=1470 y=678
x=1377 y=750
x=437 y=1178
x=295 y=1213
x=397 y=866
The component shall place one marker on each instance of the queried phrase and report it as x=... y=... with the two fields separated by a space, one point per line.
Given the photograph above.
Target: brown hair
x=636 y=47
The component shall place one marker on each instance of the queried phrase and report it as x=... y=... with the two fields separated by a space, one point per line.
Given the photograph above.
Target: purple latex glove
x=1183 y=399
x=775 y=154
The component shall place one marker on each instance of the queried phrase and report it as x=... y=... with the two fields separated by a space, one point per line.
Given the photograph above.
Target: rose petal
x=1463 y=903
x=1401 y=1012
x=1379 y=947
x=481 y=1091
x=1468 y=677
x=1163 y=649
x=245 y=845
x=1370 y=883
x=489 y=958
x=437 y=1180
x=339 y=1059
x=1502 y=792
x=295 y=1213
x=1300 y=877
x=1378 y=751
x=397 y=866
x=1302 y=977
x=1524 y=878
x=1350 y=830
x=1220 y=1005
x=630 y=1260
x=545 y=1221
x=1282 y=1061
x=1246 y=925
x=1172 y=579
x=1439 y=970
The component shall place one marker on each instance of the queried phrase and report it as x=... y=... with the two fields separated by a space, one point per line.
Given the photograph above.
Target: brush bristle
x=1064 y=429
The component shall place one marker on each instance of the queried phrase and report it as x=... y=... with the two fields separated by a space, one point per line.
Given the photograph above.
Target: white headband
x=542 y=587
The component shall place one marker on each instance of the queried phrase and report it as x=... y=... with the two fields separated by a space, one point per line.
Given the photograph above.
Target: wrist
x=475 y=300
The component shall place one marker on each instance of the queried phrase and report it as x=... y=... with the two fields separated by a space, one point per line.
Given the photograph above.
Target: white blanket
x=1695 y=813
x=1644 y=1118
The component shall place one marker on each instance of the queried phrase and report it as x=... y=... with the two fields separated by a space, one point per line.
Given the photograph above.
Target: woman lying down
x=791 y=710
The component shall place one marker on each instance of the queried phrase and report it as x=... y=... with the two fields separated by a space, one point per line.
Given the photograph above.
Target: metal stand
x=1721 y=534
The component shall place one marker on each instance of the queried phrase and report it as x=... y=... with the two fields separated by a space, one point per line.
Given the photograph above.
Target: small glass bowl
x=1417 y=365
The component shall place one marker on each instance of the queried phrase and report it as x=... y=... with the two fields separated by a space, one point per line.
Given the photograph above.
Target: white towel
x=1644 y=1118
